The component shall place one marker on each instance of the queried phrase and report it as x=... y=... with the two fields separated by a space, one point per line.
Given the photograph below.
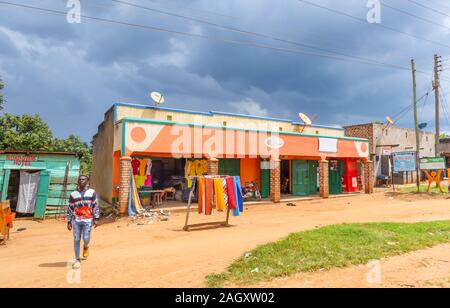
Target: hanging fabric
x=232 y=204
x=209 y=196
x=142 y=166
x=201 y=195
x=220 y=195
x=29 y=183
x=135 y=164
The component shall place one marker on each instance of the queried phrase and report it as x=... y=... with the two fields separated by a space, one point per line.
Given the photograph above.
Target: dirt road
x=161 y=255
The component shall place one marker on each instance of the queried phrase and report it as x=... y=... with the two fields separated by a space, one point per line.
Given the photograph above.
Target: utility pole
x=416 y=124
x=436 y=86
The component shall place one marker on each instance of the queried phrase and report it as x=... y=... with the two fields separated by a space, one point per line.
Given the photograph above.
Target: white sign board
x=328 y=145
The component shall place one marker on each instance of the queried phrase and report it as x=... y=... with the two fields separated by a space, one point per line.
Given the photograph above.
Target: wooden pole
x=416 y=124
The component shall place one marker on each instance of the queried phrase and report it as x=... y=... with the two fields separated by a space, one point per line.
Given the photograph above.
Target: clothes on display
x=142 y=171
x=135 y=164
x=225 y=192
x=197 y=167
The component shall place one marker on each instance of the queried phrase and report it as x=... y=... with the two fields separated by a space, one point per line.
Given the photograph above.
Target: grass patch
x=423 y=189
x=330 y=247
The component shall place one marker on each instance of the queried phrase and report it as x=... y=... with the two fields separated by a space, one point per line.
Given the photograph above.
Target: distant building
x=444 y=150
x=383 y=140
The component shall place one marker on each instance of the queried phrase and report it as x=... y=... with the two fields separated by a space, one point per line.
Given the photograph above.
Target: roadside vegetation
x=423 y=189
x=330 y=247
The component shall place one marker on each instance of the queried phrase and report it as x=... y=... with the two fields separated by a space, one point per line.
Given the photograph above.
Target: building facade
x=38 y=184
x=384 y=140
x=312 y=159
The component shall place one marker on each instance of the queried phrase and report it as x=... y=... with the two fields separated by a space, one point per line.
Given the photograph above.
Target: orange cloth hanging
x=201 y=195
x=220 y=194
x=209 y=196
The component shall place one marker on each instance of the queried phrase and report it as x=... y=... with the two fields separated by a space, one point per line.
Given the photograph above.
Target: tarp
x=28 y=187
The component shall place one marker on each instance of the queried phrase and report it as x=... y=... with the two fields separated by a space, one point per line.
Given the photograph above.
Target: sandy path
x=161 y=255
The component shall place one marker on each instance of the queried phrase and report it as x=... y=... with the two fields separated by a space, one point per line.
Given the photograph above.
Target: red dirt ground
x=125 y=254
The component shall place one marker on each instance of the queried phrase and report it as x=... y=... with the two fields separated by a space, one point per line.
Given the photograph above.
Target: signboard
x=404 y=161
x=432 y=163
x=386 y=151
x=21 y=160
x=328 y=145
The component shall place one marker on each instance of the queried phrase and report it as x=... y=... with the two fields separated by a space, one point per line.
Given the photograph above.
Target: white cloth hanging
x=29 y=183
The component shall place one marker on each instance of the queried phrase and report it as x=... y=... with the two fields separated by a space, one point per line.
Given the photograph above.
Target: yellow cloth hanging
x=220 y=194
x=140 y=180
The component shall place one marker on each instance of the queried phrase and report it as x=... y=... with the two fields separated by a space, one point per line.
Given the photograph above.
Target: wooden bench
x=6 y=220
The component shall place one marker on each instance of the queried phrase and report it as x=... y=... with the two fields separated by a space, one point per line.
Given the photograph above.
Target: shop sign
x=432 y=163
x=404 y=161
x=21 y=160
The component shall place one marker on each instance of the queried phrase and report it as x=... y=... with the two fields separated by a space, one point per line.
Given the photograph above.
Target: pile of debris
x=149 y=216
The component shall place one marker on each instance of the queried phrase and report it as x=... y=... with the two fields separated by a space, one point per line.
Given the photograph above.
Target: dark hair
x=83 y=176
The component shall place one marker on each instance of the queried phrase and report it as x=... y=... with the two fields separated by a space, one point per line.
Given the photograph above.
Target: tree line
x=32 y=133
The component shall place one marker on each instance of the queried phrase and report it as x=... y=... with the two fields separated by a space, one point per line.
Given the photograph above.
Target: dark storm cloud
x=68 y=72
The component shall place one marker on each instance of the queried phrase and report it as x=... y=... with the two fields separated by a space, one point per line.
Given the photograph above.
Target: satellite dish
x=389 y=120
x=157 y=98
x=305 y=118
x=422 y=125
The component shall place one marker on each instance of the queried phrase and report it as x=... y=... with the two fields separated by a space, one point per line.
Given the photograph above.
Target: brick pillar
x=324 y=188
x=368 y=177
x=213 y=166
x=124 y=189
x=275 y=187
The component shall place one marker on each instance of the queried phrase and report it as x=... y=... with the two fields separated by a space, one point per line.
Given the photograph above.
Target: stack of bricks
x=275 y=185
x=368 y=177
x=213 y=166
x=124 y=190
x=324 y=188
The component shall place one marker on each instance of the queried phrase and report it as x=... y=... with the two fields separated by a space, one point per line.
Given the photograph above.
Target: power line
x=428 y=8
x=252 y=33
x=415 y=16
x=236 y=42
x=365 y=21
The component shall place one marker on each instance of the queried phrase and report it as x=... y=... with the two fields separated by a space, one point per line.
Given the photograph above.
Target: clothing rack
x=188 y=210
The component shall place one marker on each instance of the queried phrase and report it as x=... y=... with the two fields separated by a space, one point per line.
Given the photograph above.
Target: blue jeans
x=81 y=229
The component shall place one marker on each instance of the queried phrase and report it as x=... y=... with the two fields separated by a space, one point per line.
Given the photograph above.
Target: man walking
x=83 y=213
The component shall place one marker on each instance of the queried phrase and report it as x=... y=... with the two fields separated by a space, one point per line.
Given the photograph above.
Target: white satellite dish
x=157 y=98
x=389 y=120
x=305 y=118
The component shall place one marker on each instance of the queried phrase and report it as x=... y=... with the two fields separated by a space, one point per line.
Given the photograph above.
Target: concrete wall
x=103 y=152
x=406 y=138
x=218 y=120
x=393 y=135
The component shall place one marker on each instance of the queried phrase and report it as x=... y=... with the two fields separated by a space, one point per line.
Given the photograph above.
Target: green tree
x=444 y=136
x=24 y=133
x=75 y=144
x=1 y=95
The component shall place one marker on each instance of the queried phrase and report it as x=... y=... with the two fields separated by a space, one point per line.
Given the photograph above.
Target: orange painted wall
x=251 y=170
x=116 y=173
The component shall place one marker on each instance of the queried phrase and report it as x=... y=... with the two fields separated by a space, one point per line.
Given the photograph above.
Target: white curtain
x=29 y=183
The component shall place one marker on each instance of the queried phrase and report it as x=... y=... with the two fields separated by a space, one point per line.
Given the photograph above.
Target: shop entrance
x=22 y=192
x=335 y=177
x=304 y=177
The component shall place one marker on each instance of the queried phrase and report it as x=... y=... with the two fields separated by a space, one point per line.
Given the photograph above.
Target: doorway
x=22 y=192
x=304 y=177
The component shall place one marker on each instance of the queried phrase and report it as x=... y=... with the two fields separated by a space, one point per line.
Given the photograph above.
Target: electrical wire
x=379 y=25
x=252 y=33
x=200 y=36
x=428 y=8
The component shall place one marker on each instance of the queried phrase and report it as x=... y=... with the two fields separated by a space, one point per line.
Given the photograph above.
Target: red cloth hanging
x=232 y=204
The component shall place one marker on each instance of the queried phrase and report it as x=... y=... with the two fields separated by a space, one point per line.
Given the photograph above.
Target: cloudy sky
x=288 y=56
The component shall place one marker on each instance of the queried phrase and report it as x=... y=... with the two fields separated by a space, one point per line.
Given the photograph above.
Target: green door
x=304 y=177
x=265 y=183
x=313 y=177
x=5 y=184
x=42 y=195
x=300 y=178
x=335 y=177
x=230 y=167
